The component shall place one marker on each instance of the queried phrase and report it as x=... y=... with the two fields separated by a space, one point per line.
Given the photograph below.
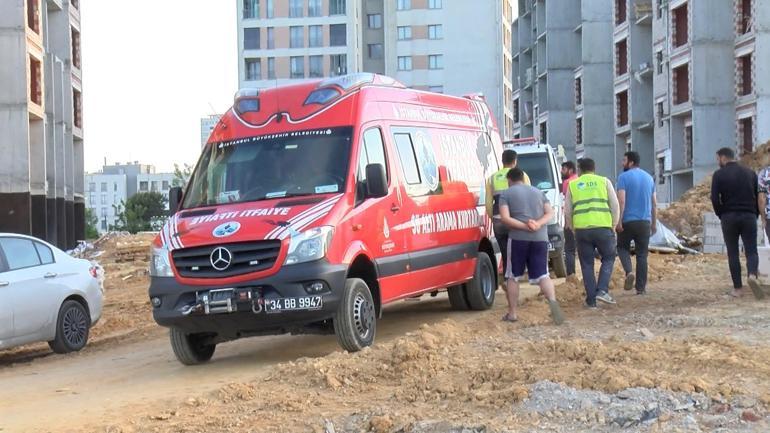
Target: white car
x=46 y=295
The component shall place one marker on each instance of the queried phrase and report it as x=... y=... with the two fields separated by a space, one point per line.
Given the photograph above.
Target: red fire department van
x=314 y=205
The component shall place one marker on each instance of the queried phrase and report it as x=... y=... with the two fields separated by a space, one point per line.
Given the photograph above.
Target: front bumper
x=555 y=239
x=290 y=282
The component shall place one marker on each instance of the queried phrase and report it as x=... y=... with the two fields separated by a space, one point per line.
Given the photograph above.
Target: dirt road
x=97 y=385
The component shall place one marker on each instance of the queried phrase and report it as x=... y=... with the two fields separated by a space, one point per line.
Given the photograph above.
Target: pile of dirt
x=685 y=216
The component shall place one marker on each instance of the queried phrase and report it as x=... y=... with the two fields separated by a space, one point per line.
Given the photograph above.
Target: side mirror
x=174 y=199
x=376 y=181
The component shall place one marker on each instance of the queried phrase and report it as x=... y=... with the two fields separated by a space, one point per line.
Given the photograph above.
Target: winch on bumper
x=295 y=296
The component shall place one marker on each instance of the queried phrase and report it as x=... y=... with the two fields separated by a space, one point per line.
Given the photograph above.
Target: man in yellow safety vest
x=592 y=211
x=496 y=185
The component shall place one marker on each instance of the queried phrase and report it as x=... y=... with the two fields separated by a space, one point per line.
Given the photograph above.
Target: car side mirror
x=174 y=199
x=376 y=181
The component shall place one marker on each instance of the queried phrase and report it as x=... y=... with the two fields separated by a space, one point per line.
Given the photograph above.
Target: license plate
x=293 y=304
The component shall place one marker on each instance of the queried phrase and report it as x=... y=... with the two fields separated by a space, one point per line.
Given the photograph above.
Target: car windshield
x=271 y=166
x=538 y=168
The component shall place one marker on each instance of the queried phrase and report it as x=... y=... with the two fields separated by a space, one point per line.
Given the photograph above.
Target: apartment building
x=41 y=120
x=562 y=67
x=694 y=88
x=207 y=126
x=633 y=80
x=425 y=44
x=116 y=183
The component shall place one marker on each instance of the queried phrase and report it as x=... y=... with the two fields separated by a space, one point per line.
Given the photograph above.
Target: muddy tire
x=355 y=322
x=72 y=327
x=480 y=291
x=558 y=265
x=189 y=349
x=457 y=298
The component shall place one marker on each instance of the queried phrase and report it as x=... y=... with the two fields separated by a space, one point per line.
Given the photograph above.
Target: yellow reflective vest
x=590 y=202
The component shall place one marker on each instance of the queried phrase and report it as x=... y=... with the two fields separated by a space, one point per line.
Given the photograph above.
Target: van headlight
x=309 y=246
x=160 y=266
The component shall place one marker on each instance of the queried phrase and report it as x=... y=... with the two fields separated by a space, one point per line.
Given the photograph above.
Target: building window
x=746 y=131
x=270 y=38
x=295 y=8
x=154 y=186
x=621 y=100
x=314 y=8
x=253 y=70
x=35 y=81
x=77 y=108
x=375 y=51
x=659 y=61
x=661 y=114
x=688 y=156
x=405 y=63
x=337 y=7
x=544 y=132
x=165 y=185
x=578 y=91
x=579 y=130
x=92 y=187
x=270 y=12
x=436 y=61
x=115 y=187
x=621 y=13
x=435 y=4
x=315 y=36
x=516 y=113
x=104 y=198
x=250 y=9
x=744 y=80
x=404 y=33
x=338 y=64
x=104 y=224
x=297 y=67
x=316 y=66
x=403 y=5
x=103 y=187
x=744 y=16
x=337 y=35
x=33 y=15
x=143 y=186
x=375 y=21
x=661 y=170
x=681 y=81
x=680 y=25
x=435 y=31
x=76 y=48
x=297 y=37
x=251 y=39
x=271 y=68
x=621 y=58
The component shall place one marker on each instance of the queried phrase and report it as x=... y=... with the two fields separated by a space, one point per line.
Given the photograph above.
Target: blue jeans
x=588 y=241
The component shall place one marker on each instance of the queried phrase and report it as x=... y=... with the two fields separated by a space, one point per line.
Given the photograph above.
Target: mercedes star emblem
x=221 y=258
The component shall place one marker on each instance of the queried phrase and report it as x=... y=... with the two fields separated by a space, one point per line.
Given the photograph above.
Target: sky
x=151 y=70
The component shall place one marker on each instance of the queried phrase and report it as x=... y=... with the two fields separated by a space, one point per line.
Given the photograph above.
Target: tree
x=145 y=211
x=91 y=223
x=182 y=174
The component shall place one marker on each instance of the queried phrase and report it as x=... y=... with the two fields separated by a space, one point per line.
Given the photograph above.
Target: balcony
x=643 y=13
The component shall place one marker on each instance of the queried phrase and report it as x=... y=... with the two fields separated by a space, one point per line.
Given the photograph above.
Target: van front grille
x=227 y=260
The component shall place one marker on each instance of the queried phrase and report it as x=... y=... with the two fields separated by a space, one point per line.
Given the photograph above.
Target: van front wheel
x=355 y=322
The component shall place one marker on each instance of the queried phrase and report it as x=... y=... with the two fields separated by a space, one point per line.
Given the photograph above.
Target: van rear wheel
x=190 y=349
x=480 y=291
x=355 y=322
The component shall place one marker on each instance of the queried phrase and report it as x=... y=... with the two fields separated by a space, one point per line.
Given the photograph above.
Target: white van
x=542 y=165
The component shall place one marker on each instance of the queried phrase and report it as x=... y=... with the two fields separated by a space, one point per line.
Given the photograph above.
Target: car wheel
x=480 y=291
x=355 y=322
x=72 y=327
x=190 y=349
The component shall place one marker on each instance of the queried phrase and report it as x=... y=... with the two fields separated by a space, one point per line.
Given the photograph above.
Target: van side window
x=20 y=253
x=408 y=158
x=372 y=152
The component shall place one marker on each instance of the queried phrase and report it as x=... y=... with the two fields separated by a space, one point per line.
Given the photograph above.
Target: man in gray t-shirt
x=527 y=211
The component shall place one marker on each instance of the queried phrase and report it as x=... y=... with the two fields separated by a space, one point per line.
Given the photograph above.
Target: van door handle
x=50 y=275
x=395 y=208
x=4 y=283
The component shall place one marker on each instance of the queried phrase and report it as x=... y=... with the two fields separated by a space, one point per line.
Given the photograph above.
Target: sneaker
x=606 y=298
x=755 y=287
x=556 y=314
x=630 y=280
x=588 y=306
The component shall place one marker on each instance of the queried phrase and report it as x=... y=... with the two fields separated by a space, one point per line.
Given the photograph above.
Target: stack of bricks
x=714 y=242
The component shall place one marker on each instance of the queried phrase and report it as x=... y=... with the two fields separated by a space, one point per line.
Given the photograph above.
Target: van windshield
x=538 y=168
x=271 y=166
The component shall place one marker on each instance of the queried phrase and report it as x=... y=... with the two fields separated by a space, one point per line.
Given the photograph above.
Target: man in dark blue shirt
x=638 y=220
